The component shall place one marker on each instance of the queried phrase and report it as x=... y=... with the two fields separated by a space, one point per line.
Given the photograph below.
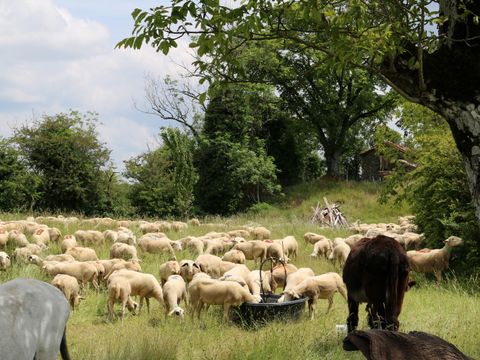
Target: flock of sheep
x=219 y=275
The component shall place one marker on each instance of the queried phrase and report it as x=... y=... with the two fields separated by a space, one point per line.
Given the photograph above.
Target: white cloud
x=54 y=60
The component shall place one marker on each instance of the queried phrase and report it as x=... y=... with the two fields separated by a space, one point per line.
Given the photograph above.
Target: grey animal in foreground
x=33 y=317
x=391 y=345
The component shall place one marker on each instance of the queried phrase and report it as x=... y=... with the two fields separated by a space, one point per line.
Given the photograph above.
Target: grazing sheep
x=55 y=234
x=156 y=245
x=143 y=285
x=18 y=238
x=433 y=261
x=60 y=257
x=68 y=242
x=260 y=233
x=121 y=264
x=4 y=261
x=89 y=237
x=110 y=236
x=193 y=222
x=234 y=256
x=275 y=250
x=318 y=287
x=82 y=253
x=239 y=233
x=214 y=246
x=413 y=240
x=289 y=246
x=280 y=272
x=253 y=250
x=148 y=228
x=188 y=269
x=3 y=238
x=312 y=238
x=322 y=247
x=241 y=271
x=41 y=236
x=340 y=253
x=108 y=264
x=174 y=291
x=21 y=254
x=178 y=225
x=294 y=279
x=119 y=290
x=69 y=286
x=195 y=246
x=353 y=239
x=215 y=292
x=213 y=265
x=261 y=280
x=126 y=237
x=82 y=271
x=123 y=251
x=167 y=269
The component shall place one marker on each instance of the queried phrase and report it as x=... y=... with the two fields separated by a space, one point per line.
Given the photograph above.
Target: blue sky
x=59 y=55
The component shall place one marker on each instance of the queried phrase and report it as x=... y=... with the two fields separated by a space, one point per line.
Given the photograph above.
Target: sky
x=58 y=55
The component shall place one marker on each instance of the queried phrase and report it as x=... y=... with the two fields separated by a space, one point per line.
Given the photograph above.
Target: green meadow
x=451 y=310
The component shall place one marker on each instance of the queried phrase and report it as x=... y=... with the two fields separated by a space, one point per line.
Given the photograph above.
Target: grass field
x=451 y=311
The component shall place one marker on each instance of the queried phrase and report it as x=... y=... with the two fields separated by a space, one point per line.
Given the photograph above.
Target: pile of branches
x=330 y=215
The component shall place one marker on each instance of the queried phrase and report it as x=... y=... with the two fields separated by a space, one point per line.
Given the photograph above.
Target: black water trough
x=258 y=314
x=269 y=309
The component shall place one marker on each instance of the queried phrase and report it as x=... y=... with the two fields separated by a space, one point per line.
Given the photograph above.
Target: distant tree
x=64 y=151
x=18 y=186
x=234 y=168
x=164 y=178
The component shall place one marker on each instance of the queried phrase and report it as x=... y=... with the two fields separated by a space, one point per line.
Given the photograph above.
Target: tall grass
x=451 y=310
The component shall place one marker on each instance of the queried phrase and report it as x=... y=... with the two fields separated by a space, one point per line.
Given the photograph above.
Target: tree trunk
x=464 y=121
x=332 y=158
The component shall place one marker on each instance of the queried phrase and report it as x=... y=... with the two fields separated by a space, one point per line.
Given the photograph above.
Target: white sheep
x=21 y=254
x=353 y=239
x=275 y=250
x=235 y=256
x=215 y=292
x=239 y=233
x=260 y=233
x=132 y=265
x=195 y=246
x=126 y=237
x=3 y=238
x=143 y=285
x=82 y=253
x=69 y=286
x=261 y=280
x=254 y=250
x=156 y=245
x=412 y=239
x=318 y=287
x=68 y=242
x=41 y=236
x=312 y=238
x=123 y=251
x=289 y=246
x=167 y=269
x=188 y=269
x=433 y=261
x=243 y=272
x=4 y=261
x=60 y=257
x=280 y=273
x=340 y=253
x=18 y=238
x=174 y=291
x=193 y=222
x=120 y=290
x=322 y=247
x=213 y=265
x=294 y=279
x=82 y=271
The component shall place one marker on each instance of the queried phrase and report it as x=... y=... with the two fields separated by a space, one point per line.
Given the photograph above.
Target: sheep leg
x=438 y=276
x=226 y=308
x=147 y=300
x=311 y=309
x=330 y=303
x=110 y=309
